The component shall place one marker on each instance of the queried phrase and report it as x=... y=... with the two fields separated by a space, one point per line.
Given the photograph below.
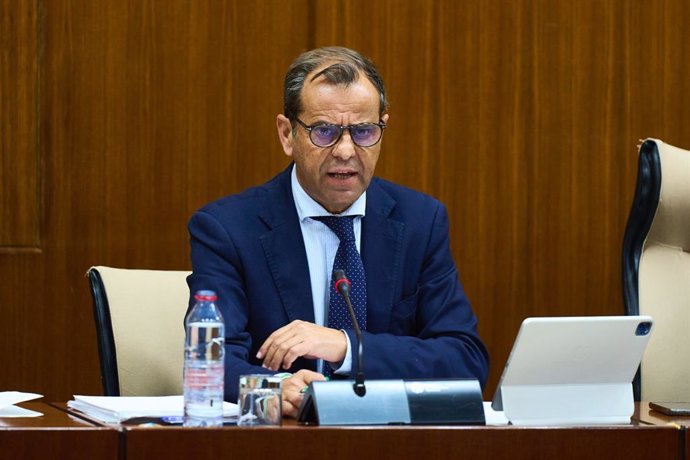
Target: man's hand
x=300 y=338
x=292 y=390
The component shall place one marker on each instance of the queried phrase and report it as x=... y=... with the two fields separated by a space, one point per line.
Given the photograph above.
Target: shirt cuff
x=346 y=365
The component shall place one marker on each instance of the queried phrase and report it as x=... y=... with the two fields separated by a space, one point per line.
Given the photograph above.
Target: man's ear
x=285 y=134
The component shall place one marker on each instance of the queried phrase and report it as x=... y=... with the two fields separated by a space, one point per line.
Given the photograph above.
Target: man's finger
x=277 y=336
x=280 y=353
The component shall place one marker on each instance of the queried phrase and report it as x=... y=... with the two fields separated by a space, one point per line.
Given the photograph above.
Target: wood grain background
x=119 y=119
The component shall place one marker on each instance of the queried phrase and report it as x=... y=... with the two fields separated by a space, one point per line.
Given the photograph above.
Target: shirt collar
x=308 y=207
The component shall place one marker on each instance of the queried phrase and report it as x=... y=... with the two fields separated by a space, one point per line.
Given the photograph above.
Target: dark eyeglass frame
x=341 y=129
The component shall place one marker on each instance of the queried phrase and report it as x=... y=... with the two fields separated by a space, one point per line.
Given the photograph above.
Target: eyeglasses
x=326 y=134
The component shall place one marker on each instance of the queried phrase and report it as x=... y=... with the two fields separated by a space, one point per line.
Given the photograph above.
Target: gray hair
x=343 y=71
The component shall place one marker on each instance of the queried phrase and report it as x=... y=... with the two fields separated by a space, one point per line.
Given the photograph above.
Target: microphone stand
x=342 y=285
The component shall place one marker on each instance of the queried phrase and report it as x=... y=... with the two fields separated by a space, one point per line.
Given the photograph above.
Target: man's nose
x=344 y=148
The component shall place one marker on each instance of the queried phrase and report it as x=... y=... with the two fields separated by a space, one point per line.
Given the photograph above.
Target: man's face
x=333 y=176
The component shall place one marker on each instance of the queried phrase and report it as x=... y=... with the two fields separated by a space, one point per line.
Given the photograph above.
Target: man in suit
x=269 y=255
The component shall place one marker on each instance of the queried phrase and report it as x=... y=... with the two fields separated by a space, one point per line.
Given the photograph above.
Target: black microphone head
x=338 y=274
x=340 y=282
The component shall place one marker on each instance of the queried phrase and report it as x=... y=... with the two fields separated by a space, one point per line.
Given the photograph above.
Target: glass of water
x=260 y=402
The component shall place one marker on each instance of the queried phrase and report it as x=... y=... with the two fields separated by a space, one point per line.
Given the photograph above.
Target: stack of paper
x=116 y=409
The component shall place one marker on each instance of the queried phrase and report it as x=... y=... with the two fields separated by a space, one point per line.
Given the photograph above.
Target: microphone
x=342 y=286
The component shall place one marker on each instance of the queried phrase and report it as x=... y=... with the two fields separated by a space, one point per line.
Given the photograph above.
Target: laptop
x=573 y=370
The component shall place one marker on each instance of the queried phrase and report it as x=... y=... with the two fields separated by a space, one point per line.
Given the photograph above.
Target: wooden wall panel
x=148 y=110
x=19 y=157
x=673 y=73
x=521 y=116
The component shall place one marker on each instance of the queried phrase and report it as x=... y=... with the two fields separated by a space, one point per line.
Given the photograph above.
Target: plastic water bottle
x=204 y=363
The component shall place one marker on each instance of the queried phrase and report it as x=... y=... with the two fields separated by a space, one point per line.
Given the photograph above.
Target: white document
x=115 y=409
x=8 y=399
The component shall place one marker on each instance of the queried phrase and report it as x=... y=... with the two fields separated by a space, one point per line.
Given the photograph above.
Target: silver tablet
x=578 y=350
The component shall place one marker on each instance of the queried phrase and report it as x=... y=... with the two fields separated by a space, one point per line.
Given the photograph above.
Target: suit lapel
x=284 y=250
x=381 y=255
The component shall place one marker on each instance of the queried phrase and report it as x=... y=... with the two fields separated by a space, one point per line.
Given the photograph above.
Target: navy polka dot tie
x=346 y=258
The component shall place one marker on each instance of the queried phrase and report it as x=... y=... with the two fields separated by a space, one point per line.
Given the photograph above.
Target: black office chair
x=139 y=318
x=656 y=269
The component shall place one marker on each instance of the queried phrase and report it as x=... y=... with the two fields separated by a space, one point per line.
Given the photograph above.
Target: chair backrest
x=139 y=318
x=656 y=268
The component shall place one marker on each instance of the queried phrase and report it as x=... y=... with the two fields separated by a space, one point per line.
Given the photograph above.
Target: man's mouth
x=342 y=175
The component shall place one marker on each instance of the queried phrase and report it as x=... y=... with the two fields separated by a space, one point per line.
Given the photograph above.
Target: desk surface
x=645 y=415
x=407 y=442
x=58 y=435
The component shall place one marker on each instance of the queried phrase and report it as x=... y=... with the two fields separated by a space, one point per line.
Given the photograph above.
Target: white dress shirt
x=321 y=245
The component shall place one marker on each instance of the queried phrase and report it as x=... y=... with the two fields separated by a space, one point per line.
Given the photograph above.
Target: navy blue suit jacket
x=249 y=249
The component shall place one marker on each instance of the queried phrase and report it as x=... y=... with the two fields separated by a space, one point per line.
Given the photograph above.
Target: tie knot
x=343 y=227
